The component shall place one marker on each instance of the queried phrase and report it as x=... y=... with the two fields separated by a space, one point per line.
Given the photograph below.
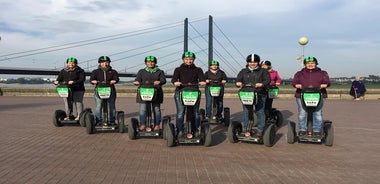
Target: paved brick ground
x=32 y=150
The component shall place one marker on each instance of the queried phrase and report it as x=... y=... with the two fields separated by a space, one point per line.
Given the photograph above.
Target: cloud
x=342 y=29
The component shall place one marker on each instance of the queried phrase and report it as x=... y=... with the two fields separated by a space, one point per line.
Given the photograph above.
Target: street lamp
x=302 y=41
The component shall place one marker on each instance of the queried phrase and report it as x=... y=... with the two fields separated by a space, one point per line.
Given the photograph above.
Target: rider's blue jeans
x=156 y=113
x=302 y=116
x=219 y=103
x=260 y=113
x=181 y=113
x=111 y=107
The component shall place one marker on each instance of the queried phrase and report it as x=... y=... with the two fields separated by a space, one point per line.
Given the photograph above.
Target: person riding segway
x=272 y=114
x=70 y=86
x=253 y=81
x=186 y=78
x=104 y=78
x=214 y=92
x=311 y=83
x=149 y=96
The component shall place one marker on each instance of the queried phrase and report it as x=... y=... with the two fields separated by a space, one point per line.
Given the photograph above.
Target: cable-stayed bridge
x=167 y=42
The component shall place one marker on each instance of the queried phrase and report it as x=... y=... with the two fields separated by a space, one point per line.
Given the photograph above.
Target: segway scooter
x=104 y=92
x=311 y=98
x=147 y=93
x=59 y=115
x=190 y=96
x=236 y=132
x=215 y=89
x=274 y=116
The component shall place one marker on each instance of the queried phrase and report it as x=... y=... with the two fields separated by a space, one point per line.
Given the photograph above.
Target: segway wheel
x=233 y=130
x=120 y=121
x=132 y=127
x=207 y=135
x=170 y=135
x=202 y=113
x=291 y=132
x=82 y=122
x=165 y=121
x=269 y=135
x=90 y=123
x=279 y=118
x=57 y=117
x=329 y=133
x=227 y=117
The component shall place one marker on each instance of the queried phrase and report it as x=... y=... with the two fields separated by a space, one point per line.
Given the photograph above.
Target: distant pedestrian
x=357 y=88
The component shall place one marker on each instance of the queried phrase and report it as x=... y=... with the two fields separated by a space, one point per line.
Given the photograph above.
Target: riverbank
x=286 y=92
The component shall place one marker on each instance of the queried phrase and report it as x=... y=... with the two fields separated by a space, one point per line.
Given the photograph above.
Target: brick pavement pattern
x=32 y=150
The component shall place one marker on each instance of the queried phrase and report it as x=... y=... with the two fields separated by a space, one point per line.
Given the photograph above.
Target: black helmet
x=151 y=58
x=104 y=59
x=214 y=62
x=253 y=58
x=188 y=54
x=310 y=59
x=72 y=60
x=266 y=62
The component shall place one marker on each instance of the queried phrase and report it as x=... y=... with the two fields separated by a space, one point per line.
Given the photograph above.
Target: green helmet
x=188 y=54
x=310 y=59
x=151 y=58
x=72 y=60
x=214 y=62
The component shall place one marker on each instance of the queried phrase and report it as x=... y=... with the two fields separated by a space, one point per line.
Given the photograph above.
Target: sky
x=343 y=34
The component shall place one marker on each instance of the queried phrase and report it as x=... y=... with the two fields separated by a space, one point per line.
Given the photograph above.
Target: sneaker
x=357 y=98
x=67 y=118
x=302 y=133
x=77 y=118
x=259 y=134
x=180 y=135
x=142 y=127
x=317 y=134
x=156 y=128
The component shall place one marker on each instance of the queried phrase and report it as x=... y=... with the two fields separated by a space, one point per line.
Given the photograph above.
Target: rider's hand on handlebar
x=258 y=85
x=299 y=86
x=239 y=84
x=323 y=86
x=136 y=83
x=56 y=82
x=156 y=83
x=202 y=83
x=70 y=82
x=177 y=84
x=113 y=82
x=224 y=81
x=94 y=82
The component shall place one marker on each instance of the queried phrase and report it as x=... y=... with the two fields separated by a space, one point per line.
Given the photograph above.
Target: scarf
x=151 y=70
x=214 y=71
x=67 y=69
